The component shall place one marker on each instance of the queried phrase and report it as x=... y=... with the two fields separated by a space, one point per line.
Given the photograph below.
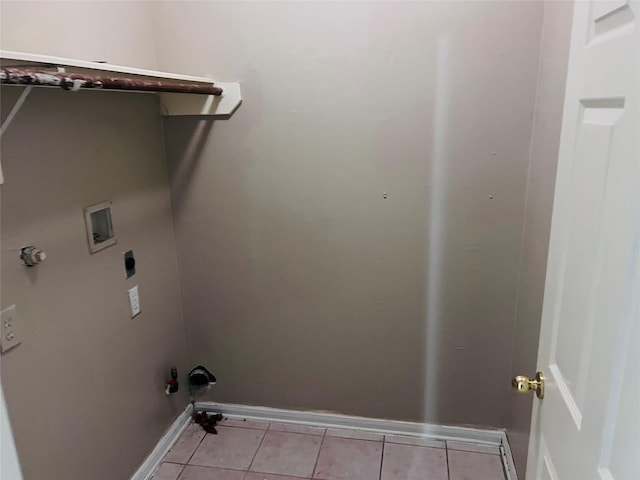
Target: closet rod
x=76 y=81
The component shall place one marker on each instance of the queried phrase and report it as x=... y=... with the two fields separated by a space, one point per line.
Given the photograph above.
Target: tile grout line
x=446 y=452
x=246 y=472
x=354 y=438
x=181 y=470
x=246 y=428
x=182 y=466
x=265 y=431
x=315 y=465
x=497 y=454
x=264 y=434
x=384 y=441
x=197 y=446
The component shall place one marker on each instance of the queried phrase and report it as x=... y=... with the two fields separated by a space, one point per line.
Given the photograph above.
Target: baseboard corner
x=165 y=443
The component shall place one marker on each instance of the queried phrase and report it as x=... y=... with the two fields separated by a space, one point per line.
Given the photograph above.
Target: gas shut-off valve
x=172 y=385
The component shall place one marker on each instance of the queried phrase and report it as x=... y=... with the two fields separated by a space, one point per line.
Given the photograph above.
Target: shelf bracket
x=14 y=111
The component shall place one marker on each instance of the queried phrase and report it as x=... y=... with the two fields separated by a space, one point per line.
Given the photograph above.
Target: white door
x=588 y=424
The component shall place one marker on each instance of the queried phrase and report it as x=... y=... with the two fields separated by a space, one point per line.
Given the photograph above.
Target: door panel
x=588 y=425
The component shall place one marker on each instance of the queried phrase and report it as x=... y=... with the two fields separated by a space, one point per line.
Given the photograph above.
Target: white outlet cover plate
x=8 y=328
x=134 y=301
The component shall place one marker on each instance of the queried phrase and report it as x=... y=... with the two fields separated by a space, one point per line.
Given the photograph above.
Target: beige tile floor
x=247 y=450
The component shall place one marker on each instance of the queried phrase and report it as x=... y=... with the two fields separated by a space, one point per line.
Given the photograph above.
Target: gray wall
x=545 y=141
x=85 y=388
x=118 y=32
x=302 y=286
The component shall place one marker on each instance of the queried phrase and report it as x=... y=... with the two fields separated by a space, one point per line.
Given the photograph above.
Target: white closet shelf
x=173 y=104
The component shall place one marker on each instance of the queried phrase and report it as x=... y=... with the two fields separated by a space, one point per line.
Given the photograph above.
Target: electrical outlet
x=8 y=328
x=134 y=301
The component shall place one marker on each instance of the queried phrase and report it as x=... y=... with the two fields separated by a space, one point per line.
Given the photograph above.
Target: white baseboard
x=172 y=434
x=376 y=425
x=507 y=458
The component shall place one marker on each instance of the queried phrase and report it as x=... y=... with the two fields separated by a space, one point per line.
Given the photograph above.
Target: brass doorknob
x=522 y=384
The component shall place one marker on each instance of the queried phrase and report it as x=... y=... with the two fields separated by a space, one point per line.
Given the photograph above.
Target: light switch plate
x=8 y=328
x=134 y=301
